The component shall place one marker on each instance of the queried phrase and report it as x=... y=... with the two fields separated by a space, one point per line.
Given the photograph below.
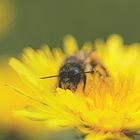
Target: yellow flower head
x=109 y=108
x=35 y=64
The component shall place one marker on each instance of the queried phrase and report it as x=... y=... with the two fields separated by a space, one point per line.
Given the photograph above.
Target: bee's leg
x=98 y=72
x=105 y=70
x=84 y=80
x=73 y=89
x=93 y=65
x=59 y=84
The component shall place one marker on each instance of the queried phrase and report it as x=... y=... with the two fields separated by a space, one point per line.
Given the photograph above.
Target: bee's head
x=70 y=75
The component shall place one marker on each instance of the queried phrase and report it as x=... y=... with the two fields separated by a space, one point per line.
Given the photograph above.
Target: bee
x=71 y=73
x=74 y=69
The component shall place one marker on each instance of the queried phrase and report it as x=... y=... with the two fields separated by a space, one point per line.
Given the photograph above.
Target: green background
x=48 y=21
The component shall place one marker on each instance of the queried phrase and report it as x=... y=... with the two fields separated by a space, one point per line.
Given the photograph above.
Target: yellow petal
x=32 y=113
x=106 y=136
x=70 y=45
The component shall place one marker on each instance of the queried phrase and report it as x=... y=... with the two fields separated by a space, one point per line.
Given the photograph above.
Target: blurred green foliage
x=48 y=21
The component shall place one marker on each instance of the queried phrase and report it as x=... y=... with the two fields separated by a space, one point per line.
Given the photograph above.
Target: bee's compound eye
x=63 y=73
x=76 y=71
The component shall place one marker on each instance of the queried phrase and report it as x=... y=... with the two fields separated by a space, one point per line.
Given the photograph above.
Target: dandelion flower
x=10 y=100
x=110 y=109
x=35 y=64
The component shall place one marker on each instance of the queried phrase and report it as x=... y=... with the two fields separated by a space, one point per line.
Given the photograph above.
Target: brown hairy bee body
x=71 y=73
x=74 y=69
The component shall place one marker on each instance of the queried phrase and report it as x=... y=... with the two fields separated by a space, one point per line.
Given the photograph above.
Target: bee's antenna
x=89 y=71
x=51 y=76
x=54 y=76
